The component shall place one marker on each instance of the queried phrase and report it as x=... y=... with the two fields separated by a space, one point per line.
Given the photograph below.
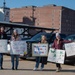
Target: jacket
x=60 y=45
x=3 y=35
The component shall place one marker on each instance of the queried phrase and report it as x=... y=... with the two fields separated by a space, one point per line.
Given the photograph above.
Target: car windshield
x=38 y=36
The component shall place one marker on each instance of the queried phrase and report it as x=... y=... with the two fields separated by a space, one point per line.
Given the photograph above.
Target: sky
x=21 y=3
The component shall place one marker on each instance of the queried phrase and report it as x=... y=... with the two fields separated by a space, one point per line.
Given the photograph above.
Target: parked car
x=50 y=39
x=71 y=59
x=37 y=38
x=70 y=37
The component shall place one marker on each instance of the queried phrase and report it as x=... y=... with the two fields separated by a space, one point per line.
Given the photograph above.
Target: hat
x=57 y=34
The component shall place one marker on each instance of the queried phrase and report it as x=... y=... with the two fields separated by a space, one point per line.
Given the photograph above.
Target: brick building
x=50 y=16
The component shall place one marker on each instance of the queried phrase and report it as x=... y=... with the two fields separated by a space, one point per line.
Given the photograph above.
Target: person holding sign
x=2 y=36
x=58 y=44
x=15 y=58
x=42 y=60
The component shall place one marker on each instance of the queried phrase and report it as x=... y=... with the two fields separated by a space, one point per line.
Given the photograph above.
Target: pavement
x=26 y=68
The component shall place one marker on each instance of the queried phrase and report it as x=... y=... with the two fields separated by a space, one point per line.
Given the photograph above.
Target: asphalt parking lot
x=26 y=68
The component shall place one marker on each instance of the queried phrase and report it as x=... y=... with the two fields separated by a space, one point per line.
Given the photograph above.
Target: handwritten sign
x=70 y=49
x=3 y=46
x=18 y=47
x=39 y=49
x=56 y=56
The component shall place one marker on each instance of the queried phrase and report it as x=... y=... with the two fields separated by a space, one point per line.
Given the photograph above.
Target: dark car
x=71 y=59
x=37 y=38
x=70 y=37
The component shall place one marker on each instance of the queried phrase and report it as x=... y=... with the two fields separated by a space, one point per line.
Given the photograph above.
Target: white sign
x=18 y=47
x=56 y=56
x=39 y=49
x=3 y=46
x=70 y=49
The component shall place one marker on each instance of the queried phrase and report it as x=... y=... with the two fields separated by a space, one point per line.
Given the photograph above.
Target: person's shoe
x=16 y=68
x=1 y=68
x=35 y=69
x=58 y=70
x=41 y=69
x=12 y=68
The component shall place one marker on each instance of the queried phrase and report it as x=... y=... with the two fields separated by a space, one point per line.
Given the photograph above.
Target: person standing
x=15 y=58
x=2 y=36
x=58 y=44
x=42 y=60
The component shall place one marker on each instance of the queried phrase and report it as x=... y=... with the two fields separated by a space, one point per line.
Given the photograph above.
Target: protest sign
x=70 y=49
x=39 y=50
x=3 y=46
x=56 y=56
x=18 y=47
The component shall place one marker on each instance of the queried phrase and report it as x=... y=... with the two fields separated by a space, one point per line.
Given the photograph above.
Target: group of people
x=58 y=44
x=14 y=37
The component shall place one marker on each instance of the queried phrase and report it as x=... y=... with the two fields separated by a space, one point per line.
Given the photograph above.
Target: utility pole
x=4 y=5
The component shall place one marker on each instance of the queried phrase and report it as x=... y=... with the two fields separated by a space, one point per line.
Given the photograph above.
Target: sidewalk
x=26 y=68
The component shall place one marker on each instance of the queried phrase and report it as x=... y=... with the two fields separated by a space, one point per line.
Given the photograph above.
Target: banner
x=3 y=46
x=39 y=50
x=56 y=56
x=18 y=47
x=70 y=49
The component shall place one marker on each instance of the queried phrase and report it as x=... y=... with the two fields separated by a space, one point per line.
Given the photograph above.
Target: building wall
x=68 y=21
x=21 y=15
x=49 y=16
